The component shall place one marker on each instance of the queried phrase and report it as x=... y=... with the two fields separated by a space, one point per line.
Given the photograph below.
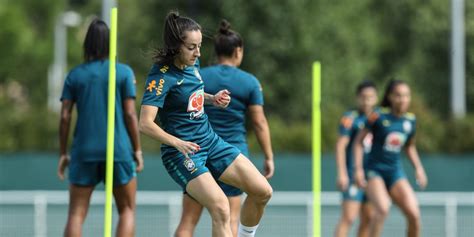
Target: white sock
x=245 y=231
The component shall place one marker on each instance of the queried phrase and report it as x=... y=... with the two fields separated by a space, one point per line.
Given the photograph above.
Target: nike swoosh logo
x=180 y=82
x=250 y=232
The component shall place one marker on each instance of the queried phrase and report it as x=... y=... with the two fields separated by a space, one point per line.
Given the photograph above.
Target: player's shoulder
x=124 y=71
x=78 y=69
x=381 y=112
x=209 y=69
x=124 y=67
x=352 y=113
x=410 y=116
x=348 y=118
x=161 y=71
x=248 y=79
x=377 y=113
x=247 y=75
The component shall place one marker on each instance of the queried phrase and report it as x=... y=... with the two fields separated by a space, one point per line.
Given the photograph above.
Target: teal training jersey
x=87 y=86
x=390 y=134
x=350 y=124
x=179 y=95
x=245 y=89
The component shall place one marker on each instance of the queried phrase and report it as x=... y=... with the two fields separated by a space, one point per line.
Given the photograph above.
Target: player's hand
x=222 y=99
x=63 y=163
x=138 y=157
x=186 y=148
x=360 y=178
x=342 y=182
x=268 y=168
x=421 y=178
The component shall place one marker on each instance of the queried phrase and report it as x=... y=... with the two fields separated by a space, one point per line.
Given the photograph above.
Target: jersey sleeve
x=371 y=120
x=345 y=125
x=256 y=93
x=156 y=88
x=68 y=89
x=129 y=90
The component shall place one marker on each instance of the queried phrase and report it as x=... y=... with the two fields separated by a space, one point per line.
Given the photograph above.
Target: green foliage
x=460 y=137
x=354 y=40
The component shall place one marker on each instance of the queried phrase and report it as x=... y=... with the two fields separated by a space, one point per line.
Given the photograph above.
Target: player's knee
x=128 y=213
x=366 y=219
x=126 y=209
x=348 y=220
x=220 y=212
x=77 y=216
x=381 y=213
x=262 y=194
x=349 y=215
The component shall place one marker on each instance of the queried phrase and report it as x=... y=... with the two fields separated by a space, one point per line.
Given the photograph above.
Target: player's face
x=400 y=98
x=190 y=49
x=367 y=99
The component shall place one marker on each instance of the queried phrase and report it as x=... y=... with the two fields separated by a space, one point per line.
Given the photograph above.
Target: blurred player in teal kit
x=393 y=129
x=229 y=123
x=354 y=199
x=193 y=154
x=87 y=86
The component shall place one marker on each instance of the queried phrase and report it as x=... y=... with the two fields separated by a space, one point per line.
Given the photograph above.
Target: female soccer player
x=87 y=87
x=393 y=129
x=229 y=123
x=192 y=152
x=354 y=199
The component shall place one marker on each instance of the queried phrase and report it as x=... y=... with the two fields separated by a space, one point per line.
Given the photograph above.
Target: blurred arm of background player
x=358 y=152
x=262 y=131
x=64 y=125
x=342 y=177
x=413 y=156
x=131 y=121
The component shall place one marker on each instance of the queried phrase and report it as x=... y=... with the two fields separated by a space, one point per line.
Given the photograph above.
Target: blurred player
x=229 y=123
x=193 y=154
x=393 y=129
x=354 y=199
x=87 y=87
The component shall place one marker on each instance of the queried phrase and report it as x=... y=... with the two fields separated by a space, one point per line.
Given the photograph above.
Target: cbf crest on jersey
x=197 y=74
x=407 y=127
x=395 y=141
x=367 y=142
x=196 y=104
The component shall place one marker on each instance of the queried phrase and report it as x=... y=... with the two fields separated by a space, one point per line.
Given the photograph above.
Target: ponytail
x=226 y=40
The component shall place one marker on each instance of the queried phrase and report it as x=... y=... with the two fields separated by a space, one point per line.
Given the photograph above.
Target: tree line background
x=354 y=40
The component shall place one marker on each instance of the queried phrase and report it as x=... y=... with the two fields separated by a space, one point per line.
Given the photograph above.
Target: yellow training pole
x=316 y=134
x=110 y=125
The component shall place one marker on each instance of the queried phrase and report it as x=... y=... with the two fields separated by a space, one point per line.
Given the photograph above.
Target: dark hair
x=363 y=85
x=173 y=36
x=226 y=40
x=96 y=44
x=390 y=87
